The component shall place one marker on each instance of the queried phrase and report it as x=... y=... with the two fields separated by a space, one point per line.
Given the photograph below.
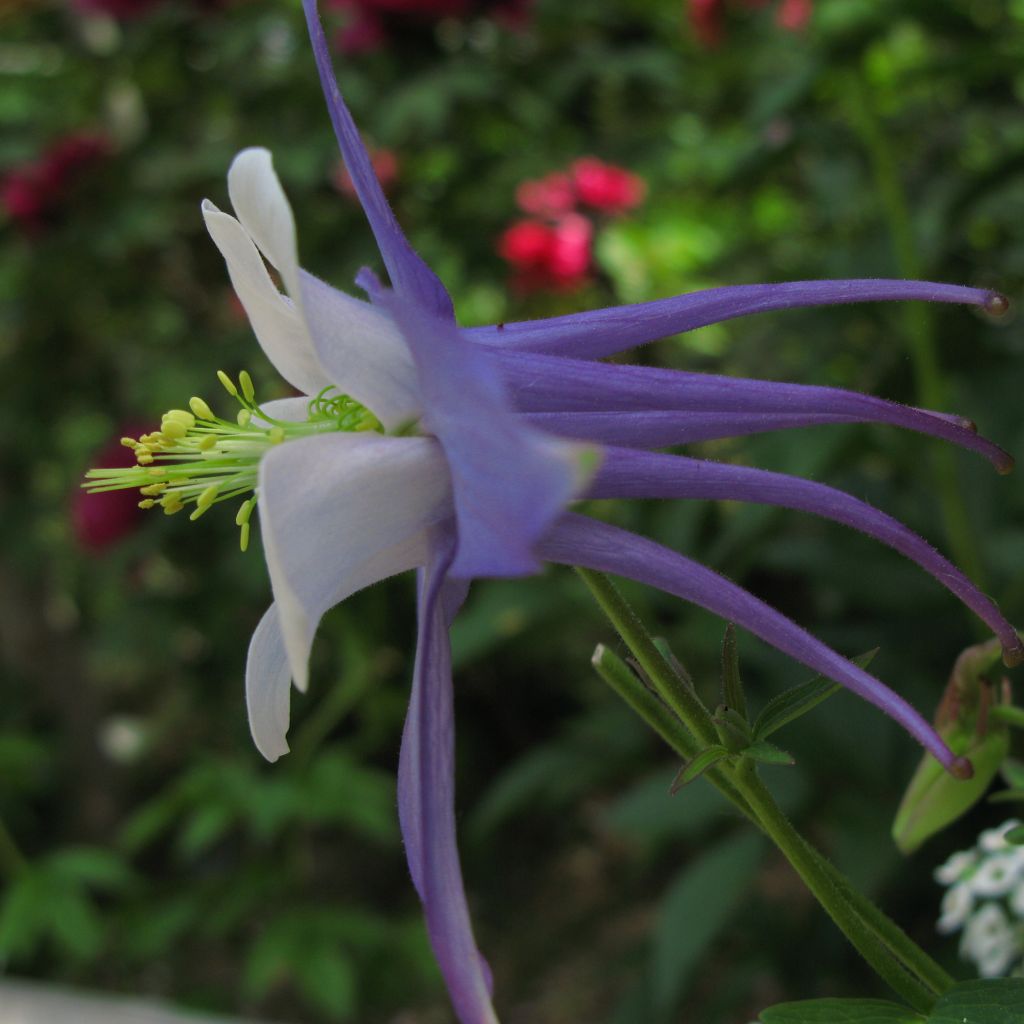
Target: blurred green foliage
x=145 y=845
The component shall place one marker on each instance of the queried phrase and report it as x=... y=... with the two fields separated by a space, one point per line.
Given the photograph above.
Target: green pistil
x=199 y=459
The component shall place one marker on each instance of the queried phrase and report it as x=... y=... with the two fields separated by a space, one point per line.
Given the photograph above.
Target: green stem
x=919 y=323
x=678 y=716
x=12 y=860
x=672 y=689
x=888 y=963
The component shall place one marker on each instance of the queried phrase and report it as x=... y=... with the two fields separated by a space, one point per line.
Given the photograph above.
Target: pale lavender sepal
x=578 y=540
x=605 y=332
x=632 y=474
x=509 y=481
x=426 y=795
x=542 y=383
x=409 y=274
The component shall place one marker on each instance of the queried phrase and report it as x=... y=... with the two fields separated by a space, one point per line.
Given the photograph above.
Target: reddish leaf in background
x=385 y=166
x=99 y=521
x=32 y=192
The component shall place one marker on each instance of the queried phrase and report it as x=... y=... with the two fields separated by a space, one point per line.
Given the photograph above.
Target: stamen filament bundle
x=197 y=458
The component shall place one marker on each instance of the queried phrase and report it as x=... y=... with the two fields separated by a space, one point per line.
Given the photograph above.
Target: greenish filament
x=198 y=459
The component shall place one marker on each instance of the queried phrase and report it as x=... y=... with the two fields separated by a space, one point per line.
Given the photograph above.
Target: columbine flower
x=457 y=452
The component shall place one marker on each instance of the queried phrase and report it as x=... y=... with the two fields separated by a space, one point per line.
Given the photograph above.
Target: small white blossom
x=997 y=874
x=957 y=905
x=956 y=867
x=985 y=898
x=993 y=840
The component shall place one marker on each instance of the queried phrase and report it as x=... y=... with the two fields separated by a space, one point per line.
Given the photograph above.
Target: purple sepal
x=409 y=274
x=510 y=482
x=632 y=474
x=605 y=332
x=542 y=383
x=426 y=794
x=660 y=428
x=577 y=540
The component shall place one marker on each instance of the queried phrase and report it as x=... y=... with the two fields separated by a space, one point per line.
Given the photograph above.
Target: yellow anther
x=276 y=435
x=207 y=443
x=229 y=384
x=247 y=389
x=144 y=457
x=174 y=430
x=196 y=513
x=148 y=503
x=129 y=442
x=243 y=540
x=186 y=419
x=158 y=471
x=169 y=510
x=201 y=409
x=243 y=417
x=152 y=438
x=208 y=497
x=151 y=490
x=244 y=512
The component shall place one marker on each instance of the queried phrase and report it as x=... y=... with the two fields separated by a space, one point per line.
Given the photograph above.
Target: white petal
x=275 y=320
x=339 y=512
x=363 y=352
x=265 y=213
x=267 y=687
x=291 y=410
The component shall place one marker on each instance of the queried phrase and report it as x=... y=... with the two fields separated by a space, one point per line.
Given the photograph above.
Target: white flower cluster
x=986 y=899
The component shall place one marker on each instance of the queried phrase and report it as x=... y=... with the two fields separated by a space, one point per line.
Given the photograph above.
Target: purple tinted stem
x=604 y=332
x=632 y=474
x=426 y=799
x=578 y=540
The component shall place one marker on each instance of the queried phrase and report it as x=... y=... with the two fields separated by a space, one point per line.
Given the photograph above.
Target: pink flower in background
x=385 y=166
x=606 y=187
x=101 y=520
x=33 y=192
x=547 y=197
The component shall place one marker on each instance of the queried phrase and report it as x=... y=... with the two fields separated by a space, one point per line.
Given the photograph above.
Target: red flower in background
x=99 y=521
x=553 y=247
x=548 y=197
x=33 y=192
x=606 y=187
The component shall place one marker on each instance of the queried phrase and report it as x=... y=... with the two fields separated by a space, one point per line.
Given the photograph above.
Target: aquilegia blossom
x=457 y=452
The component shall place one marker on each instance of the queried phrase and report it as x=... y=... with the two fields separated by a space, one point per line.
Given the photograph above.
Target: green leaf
x=797 y=701
x=1015 y=836
x=768 y=753
x=997 y=1001
x=1009 y=714
x=840 y=1011
x=694 y=910
x=327 y=978
x=695 y=768
x=732 y=684
x=1006 y=796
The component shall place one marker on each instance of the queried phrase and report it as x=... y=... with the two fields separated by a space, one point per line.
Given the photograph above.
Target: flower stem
x=919 y=323
x=675 y=712
x=12 y=860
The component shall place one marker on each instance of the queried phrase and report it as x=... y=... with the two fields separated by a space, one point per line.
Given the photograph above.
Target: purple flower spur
x=458 y=453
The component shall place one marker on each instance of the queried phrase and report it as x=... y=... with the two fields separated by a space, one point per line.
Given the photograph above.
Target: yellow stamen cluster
x=197 y=458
